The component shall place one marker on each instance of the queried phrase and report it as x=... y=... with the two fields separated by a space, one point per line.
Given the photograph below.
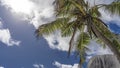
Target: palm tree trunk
x=80 y=66
x=103 y=61
x=106 y=41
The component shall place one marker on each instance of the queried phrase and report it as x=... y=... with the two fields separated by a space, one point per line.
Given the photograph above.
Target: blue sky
x=30 y=51
x=19 y=47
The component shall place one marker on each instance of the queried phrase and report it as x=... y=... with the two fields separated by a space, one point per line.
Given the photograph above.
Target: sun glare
x=20 y=6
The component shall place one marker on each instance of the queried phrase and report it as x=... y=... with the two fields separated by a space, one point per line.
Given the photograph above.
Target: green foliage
x=76 y=15
x=117 y=44
x=95 y=12
x=113 y=8
x=68 y=29
x=82 y=42
x=47 y=29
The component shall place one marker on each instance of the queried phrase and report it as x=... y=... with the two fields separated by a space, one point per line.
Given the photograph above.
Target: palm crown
x=78 y=17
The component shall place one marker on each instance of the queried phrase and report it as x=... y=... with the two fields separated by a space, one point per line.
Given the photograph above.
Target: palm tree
x=75 y=17
x=103 y=61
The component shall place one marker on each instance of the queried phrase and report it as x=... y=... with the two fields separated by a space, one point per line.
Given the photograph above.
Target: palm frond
x=68 y=29
x=63 y=7
x=59 y=4
x=82 y=42
x=47 y=29
x=79 y=6
x=113 y=8
x=94 y=11
x=117 y=44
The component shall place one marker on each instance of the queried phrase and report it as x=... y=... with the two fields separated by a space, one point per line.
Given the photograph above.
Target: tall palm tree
x=78 y=17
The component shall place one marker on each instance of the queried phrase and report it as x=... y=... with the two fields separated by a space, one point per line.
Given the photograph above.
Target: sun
x=19 y=6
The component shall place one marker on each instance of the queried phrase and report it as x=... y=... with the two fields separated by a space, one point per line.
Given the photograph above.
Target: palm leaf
x=66 y=7
x=83 y=40
x=117 y=44
x=68 y=29
x=79 y=6
x=113 y=8
x=94 y=11
x=47 y=29
x=82 y=43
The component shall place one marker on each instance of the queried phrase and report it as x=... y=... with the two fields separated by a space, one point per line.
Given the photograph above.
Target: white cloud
x=38 y=65
x=98 y=49
x=36 y=11
x=43 y=12
x=63 y=43
x=5 y=37
x=19 y=6
x=94 y=2
x=2 y=67
x=106 y=16
x=1 y=24
x=55 y=41
x=39 y=12
x=59 y=65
